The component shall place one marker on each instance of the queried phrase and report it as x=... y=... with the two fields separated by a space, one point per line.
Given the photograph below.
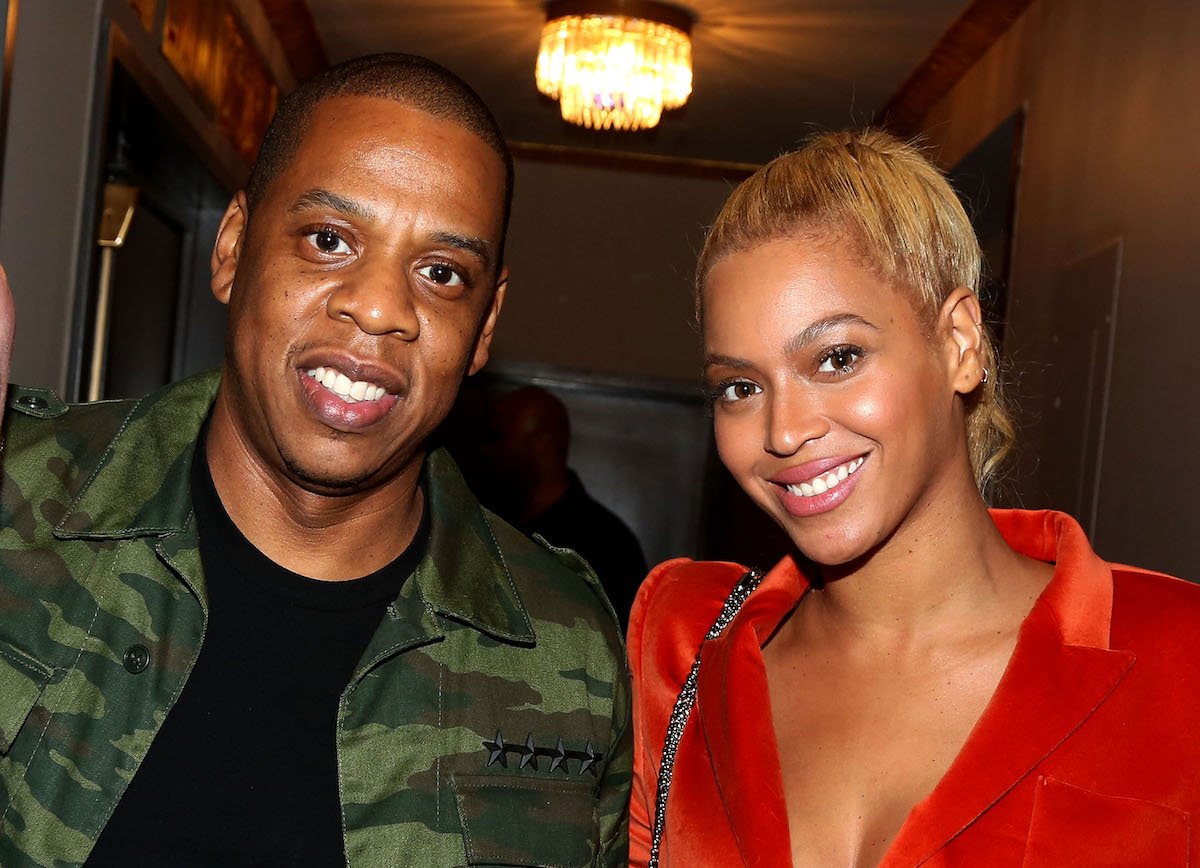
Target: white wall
x=601 y=265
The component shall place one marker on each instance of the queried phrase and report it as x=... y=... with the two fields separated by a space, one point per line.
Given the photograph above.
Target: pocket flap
x=1072 y=826
x=512 y=820
x=22 y=679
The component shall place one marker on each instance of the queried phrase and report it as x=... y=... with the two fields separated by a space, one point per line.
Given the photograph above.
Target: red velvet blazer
x=1088 y=754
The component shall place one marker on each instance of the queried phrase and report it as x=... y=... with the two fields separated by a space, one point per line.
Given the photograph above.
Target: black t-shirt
x=244 y=768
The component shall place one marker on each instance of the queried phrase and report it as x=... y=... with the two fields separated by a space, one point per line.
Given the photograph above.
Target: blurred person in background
x=529 y=483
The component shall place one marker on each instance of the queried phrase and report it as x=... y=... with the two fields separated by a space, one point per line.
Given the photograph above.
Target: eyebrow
x=809 y=334
x=319 y=198
x=481 y=247
x=815 y=331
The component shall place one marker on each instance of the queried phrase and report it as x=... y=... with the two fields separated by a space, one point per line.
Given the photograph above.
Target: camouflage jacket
x=487 y=722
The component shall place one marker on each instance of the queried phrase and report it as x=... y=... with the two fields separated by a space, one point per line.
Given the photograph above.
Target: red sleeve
x=673 y=610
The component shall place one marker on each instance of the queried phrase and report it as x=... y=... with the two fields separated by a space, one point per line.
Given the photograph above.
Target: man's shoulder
x=556 y=586
x=47 y=439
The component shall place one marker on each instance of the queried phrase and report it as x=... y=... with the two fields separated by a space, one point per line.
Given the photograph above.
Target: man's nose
x=378 y=299
x=793 y=419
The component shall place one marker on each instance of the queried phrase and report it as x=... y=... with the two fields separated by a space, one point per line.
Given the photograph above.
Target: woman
x=940 y=684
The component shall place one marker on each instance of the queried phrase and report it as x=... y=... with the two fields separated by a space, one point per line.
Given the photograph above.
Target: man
x=249 y=620
x=529 y=438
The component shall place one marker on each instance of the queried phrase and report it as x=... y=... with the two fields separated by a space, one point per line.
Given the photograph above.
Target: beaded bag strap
x=683 y=708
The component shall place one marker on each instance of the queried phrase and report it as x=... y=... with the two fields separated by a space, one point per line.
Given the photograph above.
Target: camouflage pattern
x=486 y=724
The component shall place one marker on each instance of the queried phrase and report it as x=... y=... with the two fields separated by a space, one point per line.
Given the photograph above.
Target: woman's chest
x=858 y=750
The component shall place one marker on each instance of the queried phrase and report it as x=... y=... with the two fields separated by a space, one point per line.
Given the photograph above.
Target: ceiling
x=766 y=72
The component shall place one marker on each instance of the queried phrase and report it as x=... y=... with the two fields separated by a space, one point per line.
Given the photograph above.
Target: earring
x=983 y=380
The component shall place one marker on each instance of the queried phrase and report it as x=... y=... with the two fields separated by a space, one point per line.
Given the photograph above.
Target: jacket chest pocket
x=1073 y=827
x=514 y=820
x=22 y=680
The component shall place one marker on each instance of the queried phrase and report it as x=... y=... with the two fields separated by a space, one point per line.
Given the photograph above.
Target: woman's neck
x=944 y=576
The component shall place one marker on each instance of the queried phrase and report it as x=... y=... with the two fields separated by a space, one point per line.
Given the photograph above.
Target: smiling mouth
x=350 y=391
x=830 y=479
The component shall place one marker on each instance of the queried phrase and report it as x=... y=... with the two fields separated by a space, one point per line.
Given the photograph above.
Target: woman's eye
x=738 y=391
x=840 y=360
x=328 y=241
x=441 y=274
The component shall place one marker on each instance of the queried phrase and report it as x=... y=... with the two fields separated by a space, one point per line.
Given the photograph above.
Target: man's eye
x=328 y=241
x=738 y=391
x=441 y=274
x=840 y=360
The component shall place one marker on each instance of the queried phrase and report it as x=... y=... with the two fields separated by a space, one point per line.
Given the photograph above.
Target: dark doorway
x=162 y=322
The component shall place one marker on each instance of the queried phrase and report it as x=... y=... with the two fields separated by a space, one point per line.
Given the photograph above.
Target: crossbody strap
x=683 y=708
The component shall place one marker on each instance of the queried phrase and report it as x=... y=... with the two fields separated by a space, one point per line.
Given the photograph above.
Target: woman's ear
x=961 y=322
x=228 y=249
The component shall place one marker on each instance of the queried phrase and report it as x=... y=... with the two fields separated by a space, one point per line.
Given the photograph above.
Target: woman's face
x=832 y=407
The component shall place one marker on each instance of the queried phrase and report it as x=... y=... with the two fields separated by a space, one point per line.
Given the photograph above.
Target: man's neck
x=316 y=535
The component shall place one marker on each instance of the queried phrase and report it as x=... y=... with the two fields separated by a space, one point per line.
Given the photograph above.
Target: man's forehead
x=370 y=116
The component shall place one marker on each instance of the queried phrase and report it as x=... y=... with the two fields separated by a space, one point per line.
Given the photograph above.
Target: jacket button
x=135 y=659
x=33 y=402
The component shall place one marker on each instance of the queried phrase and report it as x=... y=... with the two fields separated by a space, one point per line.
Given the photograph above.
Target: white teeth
x=350 y=391
x=821 y=484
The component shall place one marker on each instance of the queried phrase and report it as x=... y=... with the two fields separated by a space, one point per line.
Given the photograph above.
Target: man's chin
x=326 y=482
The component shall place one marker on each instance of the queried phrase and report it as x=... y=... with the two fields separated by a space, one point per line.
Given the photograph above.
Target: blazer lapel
x=735 y=717
x=1061 y=670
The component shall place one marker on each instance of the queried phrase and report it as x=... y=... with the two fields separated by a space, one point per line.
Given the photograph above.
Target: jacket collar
x=1061 y=670
x=142 y=487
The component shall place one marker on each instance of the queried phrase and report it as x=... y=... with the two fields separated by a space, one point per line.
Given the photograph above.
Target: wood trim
x=293 y=24
x=631 y=162
x=262 y=34
x=964 y=43
x=134 y=49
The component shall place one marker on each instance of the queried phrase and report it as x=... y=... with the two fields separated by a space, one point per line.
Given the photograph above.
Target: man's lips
x=353 y=368
x=345 y=393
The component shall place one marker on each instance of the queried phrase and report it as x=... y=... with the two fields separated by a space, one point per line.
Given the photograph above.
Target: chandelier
x=615 y=64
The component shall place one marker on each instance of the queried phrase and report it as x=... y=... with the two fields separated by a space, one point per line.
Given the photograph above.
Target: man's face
x=361 y=290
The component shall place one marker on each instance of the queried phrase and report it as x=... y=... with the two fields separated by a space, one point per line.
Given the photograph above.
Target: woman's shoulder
x=675 y=606
x=1149 y=607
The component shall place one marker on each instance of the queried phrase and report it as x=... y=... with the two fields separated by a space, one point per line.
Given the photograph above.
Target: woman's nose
x=793 y=419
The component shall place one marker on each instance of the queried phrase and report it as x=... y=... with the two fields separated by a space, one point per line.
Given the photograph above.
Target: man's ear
x=960 y=321
x=228 y=249
x=484 y=342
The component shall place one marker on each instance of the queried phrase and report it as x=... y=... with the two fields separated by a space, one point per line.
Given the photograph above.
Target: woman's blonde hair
x=905 y=221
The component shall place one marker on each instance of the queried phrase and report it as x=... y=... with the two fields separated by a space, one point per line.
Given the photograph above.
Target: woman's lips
x=817 y=487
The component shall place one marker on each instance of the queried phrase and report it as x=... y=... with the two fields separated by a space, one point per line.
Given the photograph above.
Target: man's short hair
x=414 y=81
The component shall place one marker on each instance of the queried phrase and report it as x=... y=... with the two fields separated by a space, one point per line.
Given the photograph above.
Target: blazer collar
x=1061 y=670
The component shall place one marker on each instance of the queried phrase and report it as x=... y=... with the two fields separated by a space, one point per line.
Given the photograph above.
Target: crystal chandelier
x=617 y=63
